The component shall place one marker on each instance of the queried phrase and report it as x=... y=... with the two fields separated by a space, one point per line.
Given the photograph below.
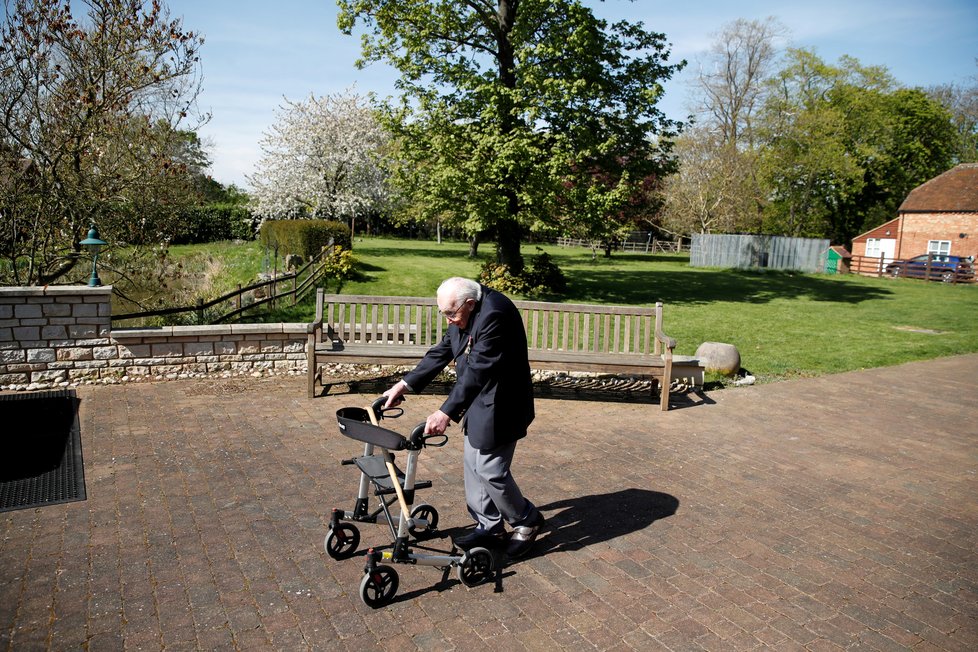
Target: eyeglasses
x=450 y=314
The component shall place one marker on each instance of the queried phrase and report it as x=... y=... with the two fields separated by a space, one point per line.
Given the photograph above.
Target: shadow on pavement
x=559 y=389
x=585 y=520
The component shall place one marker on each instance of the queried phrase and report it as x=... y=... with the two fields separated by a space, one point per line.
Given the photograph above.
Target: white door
x=884 y=248
x=887 y=249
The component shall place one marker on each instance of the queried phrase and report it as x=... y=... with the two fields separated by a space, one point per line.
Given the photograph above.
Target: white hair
x=460 y=289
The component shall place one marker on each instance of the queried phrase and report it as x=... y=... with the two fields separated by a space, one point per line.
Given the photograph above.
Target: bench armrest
x=668 y=342
x=315 y=329
x=660 y=337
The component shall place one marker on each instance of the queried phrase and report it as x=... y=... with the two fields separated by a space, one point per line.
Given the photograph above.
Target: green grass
x=785 y=324
x=222 y=265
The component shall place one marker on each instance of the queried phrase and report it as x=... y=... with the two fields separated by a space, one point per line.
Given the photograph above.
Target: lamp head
x=93 y=242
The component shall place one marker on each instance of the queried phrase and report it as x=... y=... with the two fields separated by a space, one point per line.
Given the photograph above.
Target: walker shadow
x=578 y=522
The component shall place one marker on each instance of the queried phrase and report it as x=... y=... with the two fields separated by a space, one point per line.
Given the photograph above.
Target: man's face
x=455 y=311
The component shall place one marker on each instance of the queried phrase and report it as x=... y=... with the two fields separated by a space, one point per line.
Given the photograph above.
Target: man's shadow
x=573 y=524
x=582 y=521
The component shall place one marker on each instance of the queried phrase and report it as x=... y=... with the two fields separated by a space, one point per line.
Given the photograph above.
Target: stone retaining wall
x=58 y=336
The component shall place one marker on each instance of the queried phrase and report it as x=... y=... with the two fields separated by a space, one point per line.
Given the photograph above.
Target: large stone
x=719 y=357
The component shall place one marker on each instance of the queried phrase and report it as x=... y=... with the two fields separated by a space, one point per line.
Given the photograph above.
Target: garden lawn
x=785 y=324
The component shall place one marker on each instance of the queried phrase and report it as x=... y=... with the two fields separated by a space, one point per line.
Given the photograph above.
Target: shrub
x=339 y=265
x=215 y=222
x=304 y=237
x=542 y=276
x=498 y=277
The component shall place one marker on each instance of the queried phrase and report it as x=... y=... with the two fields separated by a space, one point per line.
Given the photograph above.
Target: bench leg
x=311 y=381
x=666 y=384
x=315 y=373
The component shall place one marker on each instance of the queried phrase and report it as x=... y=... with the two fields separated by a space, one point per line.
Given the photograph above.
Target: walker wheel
x=342 y=542
x=426 y=513
x=476 y=568
x=378 y=586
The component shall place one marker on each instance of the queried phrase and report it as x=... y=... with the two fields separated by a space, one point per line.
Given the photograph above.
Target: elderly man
x=494 y=394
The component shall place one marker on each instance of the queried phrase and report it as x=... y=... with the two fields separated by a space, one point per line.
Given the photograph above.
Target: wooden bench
x=560 y=336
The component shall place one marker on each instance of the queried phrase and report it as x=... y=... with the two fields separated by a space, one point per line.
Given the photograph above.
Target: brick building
x=937 y=217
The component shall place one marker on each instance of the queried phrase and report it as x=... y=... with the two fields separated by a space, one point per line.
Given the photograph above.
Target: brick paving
x=819 y=514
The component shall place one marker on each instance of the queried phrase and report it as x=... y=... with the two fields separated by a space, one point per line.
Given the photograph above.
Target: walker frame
x=380 y=581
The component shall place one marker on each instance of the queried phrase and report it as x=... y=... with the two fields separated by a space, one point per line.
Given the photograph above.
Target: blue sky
x=257 y=52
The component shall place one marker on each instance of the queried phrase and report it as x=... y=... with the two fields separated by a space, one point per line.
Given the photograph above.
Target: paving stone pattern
x=821 y=514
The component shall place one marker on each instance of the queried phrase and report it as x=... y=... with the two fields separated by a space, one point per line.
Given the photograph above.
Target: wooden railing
x=869 y=265
x=649 y=247
x=933 y=270
x=285 y=286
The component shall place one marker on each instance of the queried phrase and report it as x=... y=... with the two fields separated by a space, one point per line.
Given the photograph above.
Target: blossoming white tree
x=322 y=159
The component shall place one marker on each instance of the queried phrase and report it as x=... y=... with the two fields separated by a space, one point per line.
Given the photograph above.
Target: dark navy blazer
x=494 y=391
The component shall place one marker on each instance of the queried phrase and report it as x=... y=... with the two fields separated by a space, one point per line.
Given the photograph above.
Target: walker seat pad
x=375 y=468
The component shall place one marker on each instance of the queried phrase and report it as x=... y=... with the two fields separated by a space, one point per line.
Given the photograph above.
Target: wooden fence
x=933 y=270
x=648 y=247
x=285 y=286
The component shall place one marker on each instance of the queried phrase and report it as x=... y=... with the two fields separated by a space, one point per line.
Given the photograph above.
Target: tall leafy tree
x=845 y=144
x=518 y=114
x=91 y=108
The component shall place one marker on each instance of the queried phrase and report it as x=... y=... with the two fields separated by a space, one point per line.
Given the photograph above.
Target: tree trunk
x=508 y=245
x=508 y=233
x=474 y=245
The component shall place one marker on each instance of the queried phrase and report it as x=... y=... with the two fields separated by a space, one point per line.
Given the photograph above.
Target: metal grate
x=63 y=483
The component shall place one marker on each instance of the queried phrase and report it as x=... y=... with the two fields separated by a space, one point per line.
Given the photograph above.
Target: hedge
x=215 y=222
x=304 y=237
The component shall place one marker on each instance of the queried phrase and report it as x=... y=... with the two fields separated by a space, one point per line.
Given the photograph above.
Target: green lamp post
x=93 y=244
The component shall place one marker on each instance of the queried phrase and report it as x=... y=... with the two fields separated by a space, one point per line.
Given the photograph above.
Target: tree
x=734 y=80
x=718 y=187
x=322 y=158
x=962 y=102
x=844 y=145
x=508 y=103
x=90 y=113
x=713 y=191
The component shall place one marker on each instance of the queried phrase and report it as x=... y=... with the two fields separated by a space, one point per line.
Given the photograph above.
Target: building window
x=939 y=247
x=873 y=247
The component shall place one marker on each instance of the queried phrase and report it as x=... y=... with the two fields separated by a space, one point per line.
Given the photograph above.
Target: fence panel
x=758 y=251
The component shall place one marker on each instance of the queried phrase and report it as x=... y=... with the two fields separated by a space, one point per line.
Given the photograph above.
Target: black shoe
x=479 y=538
x=523 y=536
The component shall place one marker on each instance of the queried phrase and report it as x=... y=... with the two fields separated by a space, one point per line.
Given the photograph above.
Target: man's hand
x=395 y=394
x=437 y=423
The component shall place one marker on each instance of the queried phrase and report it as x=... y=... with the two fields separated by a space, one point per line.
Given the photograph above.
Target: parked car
x=934 y=267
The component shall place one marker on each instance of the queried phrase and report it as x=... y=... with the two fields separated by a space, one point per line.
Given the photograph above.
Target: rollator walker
x=392 y=486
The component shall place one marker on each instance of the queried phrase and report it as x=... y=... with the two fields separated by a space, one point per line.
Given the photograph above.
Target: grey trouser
x=491 y=492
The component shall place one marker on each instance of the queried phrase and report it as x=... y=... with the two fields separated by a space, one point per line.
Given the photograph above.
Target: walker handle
x=417 y=436
x=419 y=439
x=377 y=407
